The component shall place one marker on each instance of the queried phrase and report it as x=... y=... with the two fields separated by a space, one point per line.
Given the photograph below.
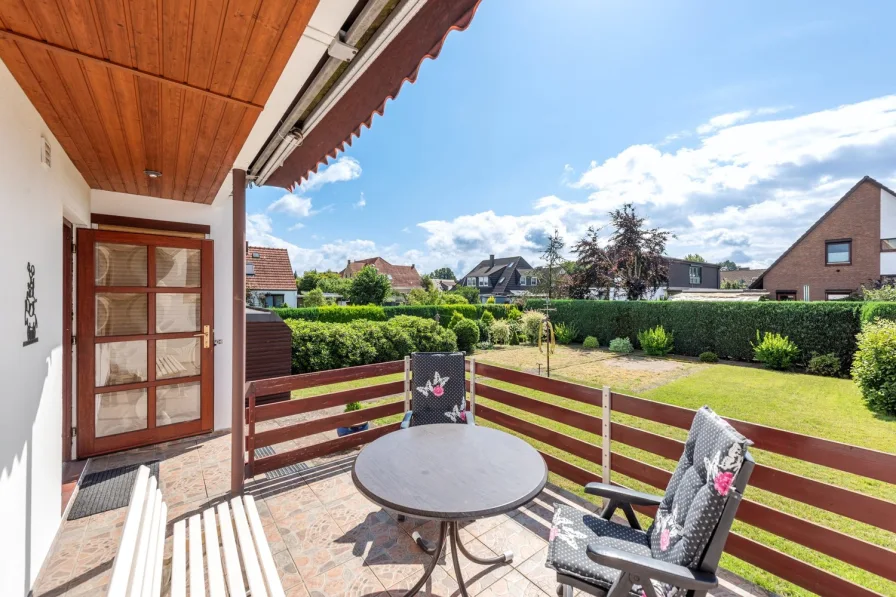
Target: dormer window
x=483 y=281
x=250 y=269
x=522 y=280
x=256 y=255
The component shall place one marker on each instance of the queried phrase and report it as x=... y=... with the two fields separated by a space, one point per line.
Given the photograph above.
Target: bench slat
x=231 y=555
x=124 y=559
x=179 y=560
x=151 y=530
x=156 y=589
x=197 y=570
x=275 y=587
x=213 y=555
x=247 y=548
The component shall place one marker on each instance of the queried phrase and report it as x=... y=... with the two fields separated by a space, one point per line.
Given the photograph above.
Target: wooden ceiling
x=167 y=85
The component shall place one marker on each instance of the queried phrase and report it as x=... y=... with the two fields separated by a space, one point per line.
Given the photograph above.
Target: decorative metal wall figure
x=30 y=308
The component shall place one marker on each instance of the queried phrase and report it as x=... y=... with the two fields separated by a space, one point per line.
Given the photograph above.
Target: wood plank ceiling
x=167 y=85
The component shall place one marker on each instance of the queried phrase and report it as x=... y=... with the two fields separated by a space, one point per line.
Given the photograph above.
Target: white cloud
x=724 y=121
x=293 y=205
x=342 y=170
x=361 y=203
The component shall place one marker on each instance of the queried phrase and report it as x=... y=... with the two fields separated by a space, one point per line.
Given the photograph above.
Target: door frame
x=88 y=445
x=68 y=316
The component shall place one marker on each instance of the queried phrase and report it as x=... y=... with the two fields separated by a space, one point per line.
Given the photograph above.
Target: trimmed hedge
x=318 y=346
x=725 y=328
x=335 y=314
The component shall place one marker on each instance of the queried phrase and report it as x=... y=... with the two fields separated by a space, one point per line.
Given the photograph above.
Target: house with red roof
x=270 y=280
x=404 y=278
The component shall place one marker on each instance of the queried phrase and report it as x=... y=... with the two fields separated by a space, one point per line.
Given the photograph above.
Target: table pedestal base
x=448 y=530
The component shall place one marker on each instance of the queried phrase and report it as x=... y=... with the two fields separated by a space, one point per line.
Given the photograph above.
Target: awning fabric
x=421 y=38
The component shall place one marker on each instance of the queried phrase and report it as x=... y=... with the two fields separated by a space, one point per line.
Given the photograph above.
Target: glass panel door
x=145 y=355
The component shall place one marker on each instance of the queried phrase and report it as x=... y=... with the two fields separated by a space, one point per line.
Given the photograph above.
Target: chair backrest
x=438 y=388
x=707 y=484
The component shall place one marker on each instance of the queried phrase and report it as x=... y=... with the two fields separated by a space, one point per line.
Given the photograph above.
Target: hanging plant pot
x=343 y=431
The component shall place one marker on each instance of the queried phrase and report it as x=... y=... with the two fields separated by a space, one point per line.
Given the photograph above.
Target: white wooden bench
x=138 y=567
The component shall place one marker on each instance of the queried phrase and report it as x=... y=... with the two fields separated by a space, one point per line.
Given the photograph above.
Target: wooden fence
x=851 y=459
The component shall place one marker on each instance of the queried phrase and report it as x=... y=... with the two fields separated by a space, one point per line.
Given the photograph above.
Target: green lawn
x=824 y=407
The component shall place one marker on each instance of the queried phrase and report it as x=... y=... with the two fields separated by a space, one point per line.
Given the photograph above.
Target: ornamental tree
x=369 y=287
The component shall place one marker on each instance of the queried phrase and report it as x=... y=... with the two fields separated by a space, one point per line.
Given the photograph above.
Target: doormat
x=280 y=472
x=107 y=490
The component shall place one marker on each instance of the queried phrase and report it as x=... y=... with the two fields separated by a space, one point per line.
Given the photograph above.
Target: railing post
x=407 y=383
x=605 y=449
x=473 y=387
x=250 y=439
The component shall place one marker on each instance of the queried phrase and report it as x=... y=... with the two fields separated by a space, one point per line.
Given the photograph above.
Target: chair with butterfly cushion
x=679 y=554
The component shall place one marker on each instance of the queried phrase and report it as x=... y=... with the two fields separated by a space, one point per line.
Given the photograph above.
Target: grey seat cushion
x=697 y=491
x=439 y=392
x=573 y=529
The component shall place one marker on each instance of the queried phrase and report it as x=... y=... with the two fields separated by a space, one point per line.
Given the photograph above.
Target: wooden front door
x=145 y=346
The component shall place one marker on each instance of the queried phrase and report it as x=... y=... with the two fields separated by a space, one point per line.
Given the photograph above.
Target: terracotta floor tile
x=534 y=569
x=349 y=579
x=440 y=584
x=286 y=569
x=395 y=556
x=477 y=577
x=514 y=537
x=513 y=585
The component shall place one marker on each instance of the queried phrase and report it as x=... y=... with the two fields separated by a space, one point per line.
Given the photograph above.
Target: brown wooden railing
x=844 y=502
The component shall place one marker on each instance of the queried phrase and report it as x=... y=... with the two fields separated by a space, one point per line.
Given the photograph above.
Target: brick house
x=404 y=278
x=269 y=277
x=854 y=243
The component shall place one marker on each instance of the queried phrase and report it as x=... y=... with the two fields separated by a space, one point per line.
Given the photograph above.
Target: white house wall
x=35 y=199
x=219 y=217
x=887 y=230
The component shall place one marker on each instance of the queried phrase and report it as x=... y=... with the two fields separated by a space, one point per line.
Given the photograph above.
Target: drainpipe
x=237 y=422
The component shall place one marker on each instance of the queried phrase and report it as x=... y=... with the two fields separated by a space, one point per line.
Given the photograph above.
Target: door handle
x=205 y=334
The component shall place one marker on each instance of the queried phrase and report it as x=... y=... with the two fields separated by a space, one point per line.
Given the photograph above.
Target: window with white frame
x=471 y=281
x=533 y=281
x=483 y=281
x=695 y=273
x=523 y=280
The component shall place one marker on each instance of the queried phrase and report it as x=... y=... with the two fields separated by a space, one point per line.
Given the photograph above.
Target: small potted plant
x=343 y=431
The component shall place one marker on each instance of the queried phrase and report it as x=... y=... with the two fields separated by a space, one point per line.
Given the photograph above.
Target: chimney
x=491 y=261
x=349 y=262
x=412 y=266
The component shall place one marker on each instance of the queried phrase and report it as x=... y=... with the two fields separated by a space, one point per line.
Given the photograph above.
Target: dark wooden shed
x=268 y=349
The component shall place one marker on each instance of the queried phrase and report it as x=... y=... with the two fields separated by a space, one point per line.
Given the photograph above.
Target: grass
x=823 y=407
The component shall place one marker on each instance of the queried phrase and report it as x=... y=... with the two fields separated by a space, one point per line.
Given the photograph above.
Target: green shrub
x=775 y=351
x=709 y=357
x=485 y=346
x=390 y=340
x=351 y=313
x=449 y=298
x=487 y=317
x=565 y=333
x=500 y=331
x=656 y=342
x=874 y=368
x=590 y=342
x=353 y=406
x=490 y=300
x=532 y=322
x=456 y=318
x=426 y=334
x=314 y=298
x=623 y=345
x=723 y=327
x=824 y=364
x=467 y=333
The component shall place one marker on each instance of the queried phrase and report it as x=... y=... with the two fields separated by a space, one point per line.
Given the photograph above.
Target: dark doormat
x=280 y=472
x=107 y=490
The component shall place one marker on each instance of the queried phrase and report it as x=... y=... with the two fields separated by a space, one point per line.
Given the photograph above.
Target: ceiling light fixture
x=153 y=173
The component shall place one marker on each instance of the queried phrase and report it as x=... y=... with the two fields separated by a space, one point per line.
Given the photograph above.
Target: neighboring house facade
x=443 y=285
x=743 y=276
x=683 y=275
x=503 y=278
x=270 y=281
x=404 y=278
x=852 y=244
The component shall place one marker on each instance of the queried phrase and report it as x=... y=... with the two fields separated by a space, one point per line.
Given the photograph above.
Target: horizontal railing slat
x=271 y=463
x=574 y=446
x=565 y=389
x=306 y=428
x=559 y=414
x=574 y=473
x=299 y=406
x=288 y=383
x=844 y=457
x=852 y=504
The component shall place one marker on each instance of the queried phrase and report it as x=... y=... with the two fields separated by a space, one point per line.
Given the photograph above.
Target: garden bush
x=590 y=342
x=499 y=332
x=656 y=342
x=874 y=368
x=775 y=351
x=490 y=300
x=824 y=364
x=314 y=298
x=339 y=314
x=456 y=318
x=623 y=345
x=487 y=317
x=725 y=328
x=565 y=333
x=485 y=324
x=709 y=357
x=531 y=323
x=318 y=346
x=467 y=333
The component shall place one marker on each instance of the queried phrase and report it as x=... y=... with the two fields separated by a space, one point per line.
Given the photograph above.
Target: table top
x=450 y=472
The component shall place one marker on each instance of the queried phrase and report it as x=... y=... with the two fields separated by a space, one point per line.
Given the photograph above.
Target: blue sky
x=734 y=126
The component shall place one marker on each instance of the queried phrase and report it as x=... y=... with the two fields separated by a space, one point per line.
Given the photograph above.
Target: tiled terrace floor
x=327 y=539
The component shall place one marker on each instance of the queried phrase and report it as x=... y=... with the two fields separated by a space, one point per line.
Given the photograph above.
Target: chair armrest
x=623 y=495
x=678 y=576
x=471 y=420
x=406 y=422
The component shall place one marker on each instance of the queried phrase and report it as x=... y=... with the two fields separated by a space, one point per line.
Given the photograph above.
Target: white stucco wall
x=34 y=200
x=219 y=217
x=887 y=230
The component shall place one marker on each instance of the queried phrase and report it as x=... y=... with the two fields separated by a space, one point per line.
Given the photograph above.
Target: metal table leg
x=443 y=534
x=504 y=558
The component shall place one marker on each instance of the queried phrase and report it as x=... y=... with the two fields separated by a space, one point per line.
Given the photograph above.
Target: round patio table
x=450 y=473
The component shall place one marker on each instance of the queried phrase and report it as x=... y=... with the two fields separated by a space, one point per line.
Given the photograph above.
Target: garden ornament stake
x=549 y=342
